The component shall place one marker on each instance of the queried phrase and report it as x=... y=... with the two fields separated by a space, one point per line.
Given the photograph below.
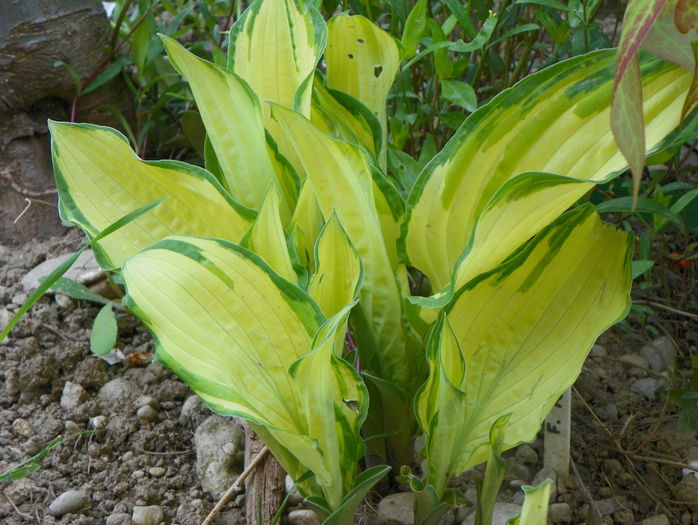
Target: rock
x=611 y=412
x=613 y=467
x=220 y=444
x=660 y=353
x=687 y=490
x=542 y=475
x=598 y=351
x=118 y=393
x=396 y=509
x=32 y=446
x=22 y=428
x=690 y=471
x=120 y=518
x=192 y=512
x=69 y=501
x=63 y=301
x=143 y=401
x=19 y=298
x=645 y=387
x=502 y=513
x=147 y=414
x=294 y=497
x=190 y=407
x=73 y=395
x=157 y=472
x=303 y=517
x=634 y=360
x=84 y=270
x=560 y=513
x=608 y=506
x=98 y=422
x=527 y=455
x=20 y=490
x=660 y=519
x=150 y=515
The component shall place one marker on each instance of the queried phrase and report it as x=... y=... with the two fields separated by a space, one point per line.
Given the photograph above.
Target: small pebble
x=660 y=353
x=69 y=501
x=527 y=455
x=19 y=298
x=63 y=301
x=560 y=513
x=303 y=517
x=150 y=515
x=33 y=445
x=645 y=387
x=93 y=450
x=98 y=421
x=147 y=414
x=73 y=395
x=143 y=401
x=157 y=472
x=22 y=428
x=294 y=497
x=635 y=360
x=120 y=518
x=71 y=427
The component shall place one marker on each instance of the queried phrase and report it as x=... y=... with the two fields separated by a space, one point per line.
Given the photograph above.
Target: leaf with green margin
x=104 y=329
x=362 y=61
x=267 y=239
x=494 y=472
x=235 y=129
x=240 y=336
x=334 y=401
x=563 y=109
x=535 y=505
x=99 y=177
x=292 y=35
x=343 y=117
x=515 y=338
x=341 y=179
x=339 y=272
x=307 y=222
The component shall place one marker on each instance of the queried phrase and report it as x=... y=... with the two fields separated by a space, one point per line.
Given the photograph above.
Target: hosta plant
x=290 y=283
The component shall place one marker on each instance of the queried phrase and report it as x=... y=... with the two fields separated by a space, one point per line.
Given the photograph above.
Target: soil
x=627 y=450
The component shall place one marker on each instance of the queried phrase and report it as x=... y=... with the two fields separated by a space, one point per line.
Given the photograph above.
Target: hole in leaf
x=377 y=71
x=360 y=40
x=350 y=55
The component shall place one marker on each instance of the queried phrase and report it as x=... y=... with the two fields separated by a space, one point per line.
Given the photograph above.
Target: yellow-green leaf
x=100 y=179
x=362 y=61
x=250 y=343
x=267 y=238
x=515 y=338
x=555 y=121
x=233 y=119
x=339 y=272
x=275 y=46
x=307 y=221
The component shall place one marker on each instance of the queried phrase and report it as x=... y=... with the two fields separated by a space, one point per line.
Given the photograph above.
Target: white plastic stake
x=556 y=441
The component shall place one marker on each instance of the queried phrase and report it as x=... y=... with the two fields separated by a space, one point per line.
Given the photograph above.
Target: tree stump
x=264 y=490
x=34 y=34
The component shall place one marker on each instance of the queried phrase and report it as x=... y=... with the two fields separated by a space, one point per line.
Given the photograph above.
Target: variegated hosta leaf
x=339 y=272
x=535 y=506
x=275 y=46
x=343 y=117
x=307 y=221
x=267 y=239
x=362 y=61
x=253 y=345
x=233 y=119
x=515 y=338
x=339 y=175
x=554 y=121
x=100 y=179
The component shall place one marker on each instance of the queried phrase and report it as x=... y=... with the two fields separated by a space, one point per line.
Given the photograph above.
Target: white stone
x=396 y=509
x=502 y=513
x=69 y=501
x=303 y=517
x=84 y=270
x=220 y=445
x=73 y=395
x=150 y=515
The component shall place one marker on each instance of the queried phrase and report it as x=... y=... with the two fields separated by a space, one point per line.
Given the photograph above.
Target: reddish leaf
x=627 y=121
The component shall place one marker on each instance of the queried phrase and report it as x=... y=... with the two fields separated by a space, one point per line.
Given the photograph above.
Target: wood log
x=264 y=490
